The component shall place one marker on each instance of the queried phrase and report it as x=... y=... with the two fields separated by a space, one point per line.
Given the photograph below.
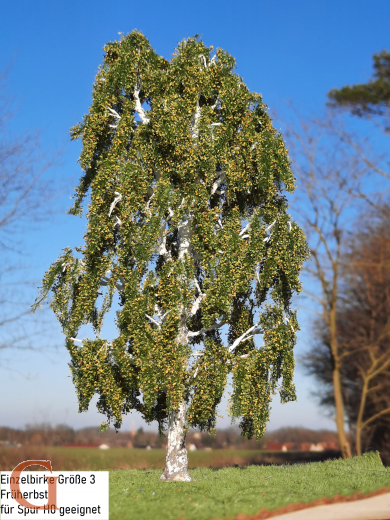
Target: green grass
x=223 y=493
x=217 y=492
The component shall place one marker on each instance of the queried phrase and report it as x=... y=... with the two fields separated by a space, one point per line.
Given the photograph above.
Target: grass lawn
x=225 y=492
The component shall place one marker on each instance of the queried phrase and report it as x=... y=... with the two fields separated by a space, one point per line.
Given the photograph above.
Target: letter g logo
x=52 y=484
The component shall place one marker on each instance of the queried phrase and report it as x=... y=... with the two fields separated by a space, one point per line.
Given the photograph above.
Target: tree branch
x=254 y=330
x=138 y=106
x=115 y=202
x=205 y=329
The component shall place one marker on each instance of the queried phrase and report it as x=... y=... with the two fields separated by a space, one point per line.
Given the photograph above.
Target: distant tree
x=338 y=168
x=328 y=177
x=367 y=99
x=188 y=223
x=363 y=332
x=370 y=101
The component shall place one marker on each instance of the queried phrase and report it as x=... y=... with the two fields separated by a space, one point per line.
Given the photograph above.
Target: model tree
x=188 y=224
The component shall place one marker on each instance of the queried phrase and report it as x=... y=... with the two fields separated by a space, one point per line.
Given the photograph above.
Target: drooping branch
x=147 y=207
x=184 y=230
x=162 y=248
x=198 y=300
x=206 y=329
x=221 y=179
x=242 y=234
x=268 y=229
x=138 y=106
x=117 y=199
x=152 y=320
x=195 y=126
x=115 y=114
x=249 y=334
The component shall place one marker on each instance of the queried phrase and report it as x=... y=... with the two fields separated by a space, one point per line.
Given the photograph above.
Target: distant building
x=81 y=445
x=316 y=447
x=280 y=446
x=301 y=446
x=191 y=447
x=330 y=445
x=148 y=447
x=104 y=447
x=274 y=446
x=10 y=444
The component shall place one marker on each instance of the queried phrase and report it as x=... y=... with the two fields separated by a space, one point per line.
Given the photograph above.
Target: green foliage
x=203 y=166
x=365 y=99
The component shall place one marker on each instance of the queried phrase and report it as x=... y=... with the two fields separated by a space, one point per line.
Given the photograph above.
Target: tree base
x=176 y=467
x=181 y=476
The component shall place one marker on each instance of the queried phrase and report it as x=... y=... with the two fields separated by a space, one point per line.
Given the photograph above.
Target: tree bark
x=359 y=421
x=176 y=465
x=337 y=386
x=338 y=397
x=358 y=439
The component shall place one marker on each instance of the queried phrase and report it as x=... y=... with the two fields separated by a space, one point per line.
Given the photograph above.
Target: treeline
x=63 y=435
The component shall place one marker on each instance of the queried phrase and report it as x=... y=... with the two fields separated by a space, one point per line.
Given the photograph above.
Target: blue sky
x=286 y=50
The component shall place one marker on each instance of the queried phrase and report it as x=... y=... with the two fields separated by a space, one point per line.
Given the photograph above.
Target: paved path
x=374 y=508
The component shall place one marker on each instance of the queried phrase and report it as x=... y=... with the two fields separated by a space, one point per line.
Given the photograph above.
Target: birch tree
x=188 y=226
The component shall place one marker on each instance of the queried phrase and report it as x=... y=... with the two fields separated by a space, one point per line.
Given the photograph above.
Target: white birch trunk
x=176 y=466
x=176 y=462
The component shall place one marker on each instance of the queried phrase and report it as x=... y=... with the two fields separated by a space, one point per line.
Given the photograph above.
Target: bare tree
x=25 y=200
x=328 y=176
x=339 y=169
x=363 y=334
x=369 y=152
x=367 y=312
